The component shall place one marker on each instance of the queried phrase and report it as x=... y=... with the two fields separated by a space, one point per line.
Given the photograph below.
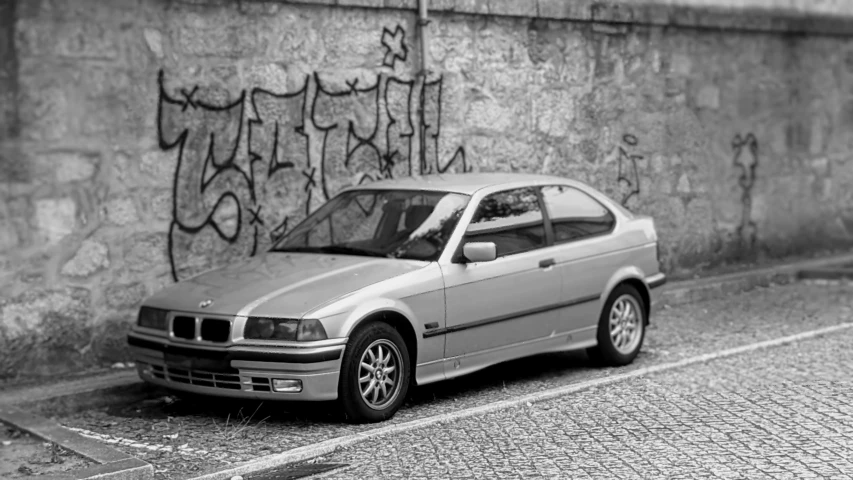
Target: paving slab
x=783 y=412
x=183 y=438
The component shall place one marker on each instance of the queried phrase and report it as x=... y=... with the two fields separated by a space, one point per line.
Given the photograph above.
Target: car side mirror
x=480 y=251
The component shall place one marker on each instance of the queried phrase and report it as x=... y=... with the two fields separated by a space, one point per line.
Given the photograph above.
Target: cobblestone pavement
x=183 y=437
x=785 y=412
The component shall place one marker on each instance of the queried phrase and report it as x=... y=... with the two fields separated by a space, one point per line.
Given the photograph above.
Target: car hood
x=279 y=284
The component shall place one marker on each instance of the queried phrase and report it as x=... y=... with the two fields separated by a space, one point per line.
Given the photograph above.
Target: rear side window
x=511 y=219
x=575 y=215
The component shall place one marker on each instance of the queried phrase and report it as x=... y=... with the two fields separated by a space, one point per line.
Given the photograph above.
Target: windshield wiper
x=341 y=249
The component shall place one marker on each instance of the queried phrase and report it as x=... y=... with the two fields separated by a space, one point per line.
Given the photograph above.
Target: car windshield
x=406 y=224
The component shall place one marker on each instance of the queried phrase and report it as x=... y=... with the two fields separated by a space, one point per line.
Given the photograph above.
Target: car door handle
x=547 y=263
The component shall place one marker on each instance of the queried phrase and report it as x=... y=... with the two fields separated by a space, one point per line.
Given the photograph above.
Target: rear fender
x=635 y=277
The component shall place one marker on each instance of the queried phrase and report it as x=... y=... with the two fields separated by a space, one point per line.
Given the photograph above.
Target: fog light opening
x=286 y=386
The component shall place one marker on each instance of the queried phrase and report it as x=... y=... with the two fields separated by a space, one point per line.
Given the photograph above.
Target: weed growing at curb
x=233 y=431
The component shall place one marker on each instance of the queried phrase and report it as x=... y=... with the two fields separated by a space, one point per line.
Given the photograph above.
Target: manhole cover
x=292 y=472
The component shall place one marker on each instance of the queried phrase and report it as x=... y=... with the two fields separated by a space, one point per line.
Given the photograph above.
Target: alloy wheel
x=626 y=324
x=379 y=374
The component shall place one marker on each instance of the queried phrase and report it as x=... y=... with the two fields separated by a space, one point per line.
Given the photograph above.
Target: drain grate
x=292 y=472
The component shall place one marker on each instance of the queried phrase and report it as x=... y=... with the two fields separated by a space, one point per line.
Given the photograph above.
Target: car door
x=510 y=299
x=585 y=256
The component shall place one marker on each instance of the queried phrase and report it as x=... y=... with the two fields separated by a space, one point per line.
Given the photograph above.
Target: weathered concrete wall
x=155 y=139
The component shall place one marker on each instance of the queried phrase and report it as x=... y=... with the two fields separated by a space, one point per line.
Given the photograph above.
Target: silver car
x=412 y=280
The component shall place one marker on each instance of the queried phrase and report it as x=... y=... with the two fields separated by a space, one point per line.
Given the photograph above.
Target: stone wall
x=154 y=139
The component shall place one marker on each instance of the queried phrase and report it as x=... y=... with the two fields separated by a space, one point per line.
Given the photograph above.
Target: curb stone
x=690 y=291
x=113 y=464
x=125 y=387
x=71 y=396
x=841 y=272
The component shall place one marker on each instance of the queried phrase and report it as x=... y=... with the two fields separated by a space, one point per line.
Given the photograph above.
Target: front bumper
x=238 y=371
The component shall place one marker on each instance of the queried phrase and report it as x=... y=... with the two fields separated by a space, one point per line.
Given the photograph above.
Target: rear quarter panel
x=635 y=244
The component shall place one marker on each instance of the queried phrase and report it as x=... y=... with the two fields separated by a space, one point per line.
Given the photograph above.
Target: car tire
x=363 y=373
x=620 y=333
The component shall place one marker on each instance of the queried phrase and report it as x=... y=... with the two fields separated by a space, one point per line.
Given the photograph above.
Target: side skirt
x=448 y=368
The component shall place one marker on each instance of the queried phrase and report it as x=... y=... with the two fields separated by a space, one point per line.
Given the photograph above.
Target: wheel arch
x=634 y=277
x=399 y=322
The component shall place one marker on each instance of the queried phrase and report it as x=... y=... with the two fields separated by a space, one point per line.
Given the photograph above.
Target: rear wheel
x=375 y=374
x=621 y=328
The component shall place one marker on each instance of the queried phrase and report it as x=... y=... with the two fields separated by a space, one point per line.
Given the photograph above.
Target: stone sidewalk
x=183 y=438
x=779 y=413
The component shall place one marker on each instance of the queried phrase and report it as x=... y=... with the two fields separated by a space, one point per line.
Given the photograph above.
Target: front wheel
x=621 y=328
x=375 y=374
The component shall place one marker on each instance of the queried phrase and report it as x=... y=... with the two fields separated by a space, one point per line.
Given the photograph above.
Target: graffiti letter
x=747 y=230
x=278 y=144
x=206 y=178
x=431 y=131
x=349 y=120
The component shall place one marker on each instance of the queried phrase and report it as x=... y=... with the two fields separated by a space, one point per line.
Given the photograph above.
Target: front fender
x=365 y=310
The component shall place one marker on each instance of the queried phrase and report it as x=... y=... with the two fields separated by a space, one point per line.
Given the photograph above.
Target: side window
x=512 y=220
x=574 y=214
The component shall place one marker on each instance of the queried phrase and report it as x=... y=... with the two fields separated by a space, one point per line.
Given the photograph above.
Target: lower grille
x=196 y=377
x=206 y=379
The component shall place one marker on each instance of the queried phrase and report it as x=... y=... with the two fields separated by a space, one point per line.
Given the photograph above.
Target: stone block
x=160 y=205
x=489 y=115
x=121 y=211
x=92 y=257
x=123 y=296
x=75 y=39
x=159 y=165
x=9 y=238
x=109 y=339
x=222 y=41
x=708 y=97
x=154 y=41
x=146 y=252
x=361 y=3
x=554 y=112
x=517 y=8
x=402 y=4
x=45 y=112
x=55 y=218
x=556 y=9
x=268 y=76
x=26 y=313
x=67 y=167
x=259 y=9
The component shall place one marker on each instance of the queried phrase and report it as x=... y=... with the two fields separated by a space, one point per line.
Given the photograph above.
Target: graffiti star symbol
x=310 y=181
x=188 y=98
x=395 y=46
x=256 y=215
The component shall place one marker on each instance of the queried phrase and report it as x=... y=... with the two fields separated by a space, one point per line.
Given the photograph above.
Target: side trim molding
x=511 y=316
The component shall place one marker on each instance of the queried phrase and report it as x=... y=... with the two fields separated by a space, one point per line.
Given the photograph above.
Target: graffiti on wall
x=248 y=169
x=746 y=160
x=629 y=173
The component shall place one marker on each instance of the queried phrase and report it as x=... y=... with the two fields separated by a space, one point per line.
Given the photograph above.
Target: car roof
x=466 y=183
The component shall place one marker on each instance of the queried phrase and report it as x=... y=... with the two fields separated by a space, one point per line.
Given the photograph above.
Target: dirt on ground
x=23 y=456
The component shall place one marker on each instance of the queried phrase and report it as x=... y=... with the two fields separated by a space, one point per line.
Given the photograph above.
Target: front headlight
x=152 y=318
x=310 y=329
x=260 y=328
